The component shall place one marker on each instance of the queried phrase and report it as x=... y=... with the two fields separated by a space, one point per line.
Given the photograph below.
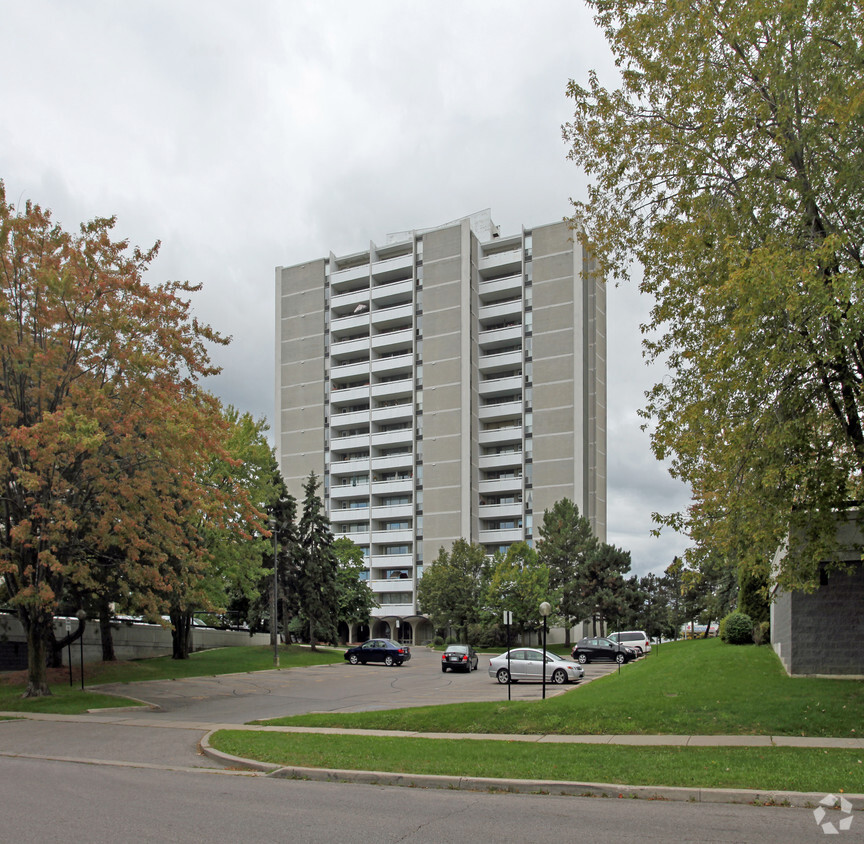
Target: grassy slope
x=690 y=688
x=700 y=687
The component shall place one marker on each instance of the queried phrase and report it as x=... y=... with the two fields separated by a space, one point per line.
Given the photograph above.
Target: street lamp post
x=81 y=616
x=274 y=604
x=545 y=609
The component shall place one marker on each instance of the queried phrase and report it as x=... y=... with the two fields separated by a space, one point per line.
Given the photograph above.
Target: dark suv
x=599 y=648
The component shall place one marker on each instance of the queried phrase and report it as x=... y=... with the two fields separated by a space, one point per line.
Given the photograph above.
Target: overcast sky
x=246 y=135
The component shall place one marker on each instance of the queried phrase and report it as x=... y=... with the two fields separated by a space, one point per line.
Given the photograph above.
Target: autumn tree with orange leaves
x=105 y=433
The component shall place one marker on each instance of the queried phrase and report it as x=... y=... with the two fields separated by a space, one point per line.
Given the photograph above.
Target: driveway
x=238 y=698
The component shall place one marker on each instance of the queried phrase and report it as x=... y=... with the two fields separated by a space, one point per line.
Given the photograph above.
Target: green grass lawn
x=700 y=687
x=774 y=768
x=70 y=701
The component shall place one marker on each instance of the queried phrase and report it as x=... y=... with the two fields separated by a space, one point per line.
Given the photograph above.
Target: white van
x=636 y=639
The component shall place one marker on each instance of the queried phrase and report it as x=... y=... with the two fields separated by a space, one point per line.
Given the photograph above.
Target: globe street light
x=545 y=609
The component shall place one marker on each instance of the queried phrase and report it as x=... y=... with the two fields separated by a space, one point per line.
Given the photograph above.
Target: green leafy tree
x=729 y=164
x=355 y=598
x=235 y=540
x=103 y=428
x=565 y=542
x=519 y=582
x=316 y=568
x=450 y=591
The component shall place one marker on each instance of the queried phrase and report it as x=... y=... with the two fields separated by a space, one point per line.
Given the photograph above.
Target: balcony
x=349 y=300
x=347 y=348
x=349 y=467
x=402 y=537
x=501 y=263
x=499 y=485
x=499 y=288
x=393 y=462
x=340 y=396
x=397 y=316
x=392 y=486
x=506 y=460
x=500 y=511
x=340 y=445
x=500 y=436
x=352 y=323
x=339 y=491
x=500 y=335
x=389 y=294
x=398 y=411
x=393 y=269
x=349 y=517
x=399 y=339
x=401 y=389
x=392 y=561
x=353 y=371
x=502 y=311
x=510 y=385
x=500 y=411
x=339 y=279
x=401 y=362
x=385 y=439
x=495 y=537
x=491 y=363
x=394 y=511
x=348 y=419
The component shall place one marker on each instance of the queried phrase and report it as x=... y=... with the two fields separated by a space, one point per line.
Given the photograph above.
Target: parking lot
x=238 y=698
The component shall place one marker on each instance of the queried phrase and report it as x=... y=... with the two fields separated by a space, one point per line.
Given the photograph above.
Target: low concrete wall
x=131 y=641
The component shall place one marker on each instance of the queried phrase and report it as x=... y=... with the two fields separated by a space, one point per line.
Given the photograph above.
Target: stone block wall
x=822 y=633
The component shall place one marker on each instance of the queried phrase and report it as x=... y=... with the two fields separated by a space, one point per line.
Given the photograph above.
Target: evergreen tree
x=601 y=585
x=566 y=541
x=316 y=568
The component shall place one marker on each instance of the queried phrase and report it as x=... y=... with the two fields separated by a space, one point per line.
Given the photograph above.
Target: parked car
x=379 y=650
x=636 y=639
x=463 y=657
x=527 y=663
x=598 y=648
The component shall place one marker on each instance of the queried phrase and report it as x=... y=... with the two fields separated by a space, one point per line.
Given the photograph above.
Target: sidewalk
x=129 y=750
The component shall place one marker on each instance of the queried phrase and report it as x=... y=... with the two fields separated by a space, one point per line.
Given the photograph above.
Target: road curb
x=797 y=799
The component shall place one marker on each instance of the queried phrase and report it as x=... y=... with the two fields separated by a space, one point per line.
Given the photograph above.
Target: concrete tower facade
x=448 y=384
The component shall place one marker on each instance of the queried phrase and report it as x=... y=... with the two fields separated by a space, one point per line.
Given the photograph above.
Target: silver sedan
x=526 y=664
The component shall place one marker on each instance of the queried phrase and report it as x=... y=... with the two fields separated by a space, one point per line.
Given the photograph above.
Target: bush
x=762 y=632
x=486 y=635
x=438 y=642
x=737 y=629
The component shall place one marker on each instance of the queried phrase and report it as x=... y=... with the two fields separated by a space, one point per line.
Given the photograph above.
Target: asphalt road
x=96 y=803
x=239 y=698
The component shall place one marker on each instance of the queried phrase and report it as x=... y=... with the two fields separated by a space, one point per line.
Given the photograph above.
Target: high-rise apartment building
x=447 y=384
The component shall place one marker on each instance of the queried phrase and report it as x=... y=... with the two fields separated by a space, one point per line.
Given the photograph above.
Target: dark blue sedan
x=379 y=650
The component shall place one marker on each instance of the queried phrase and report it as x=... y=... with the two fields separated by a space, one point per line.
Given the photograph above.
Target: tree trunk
x=37 y=653
x=181 y=637
x=312 y=635
x=285 y=634
x=108 y=654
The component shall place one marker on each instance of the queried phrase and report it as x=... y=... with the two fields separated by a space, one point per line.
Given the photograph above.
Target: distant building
x=448 y=384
